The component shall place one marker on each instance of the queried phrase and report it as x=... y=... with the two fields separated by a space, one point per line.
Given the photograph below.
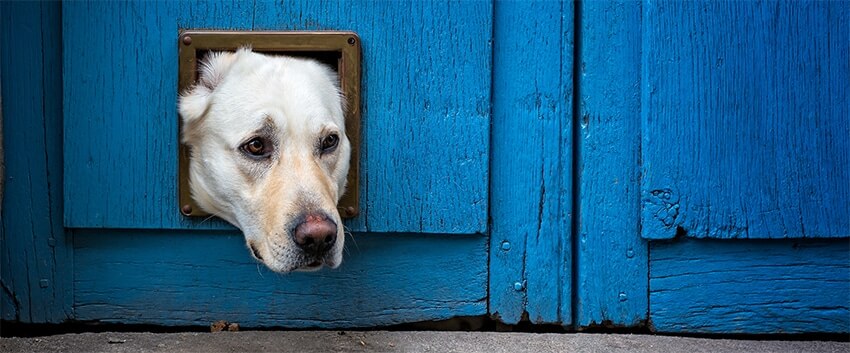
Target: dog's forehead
x=291 y=92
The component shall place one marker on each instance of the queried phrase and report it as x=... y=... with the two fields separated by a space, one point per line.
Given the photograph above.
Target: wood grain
x=161 y=277
x=745 y=119
x=530 y=248
x=611 y=259
x=727 y=286
x=35 y=254
x=426 y=108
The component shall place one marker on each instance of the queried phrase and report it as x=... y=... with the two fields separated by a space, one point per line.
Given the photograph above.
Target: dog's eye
x=329 y=143
x=256 y=147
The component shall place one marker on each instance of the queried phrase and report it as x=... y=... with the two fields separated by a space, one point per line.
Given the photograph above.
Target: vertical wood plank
x=611 y=258
x=530 y=186
x=746 y=119
x=426 y=108
x=35 y=254
x=120 y=114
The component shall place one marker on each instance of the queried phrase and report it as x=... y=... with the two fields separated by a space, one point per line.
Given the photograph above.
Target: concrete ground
x=395 y=341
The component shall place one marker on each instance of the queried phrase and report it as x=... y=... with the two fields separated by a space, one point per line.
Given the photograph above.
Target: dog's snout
x=315 y=235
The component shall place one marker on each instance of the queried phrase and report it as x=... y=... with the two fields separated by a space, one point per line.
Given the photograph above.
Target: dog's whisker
x=207 y=219
x=260 y=272
x=351 y=235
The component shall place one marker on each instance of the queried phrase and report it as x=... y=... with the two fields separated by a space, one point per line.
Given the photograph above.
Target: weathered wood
x=194 y=278
x=611 y=258
x=35 y=255
x=426 y=108
x=530 y=249
x=746 y=119
x=713 y=286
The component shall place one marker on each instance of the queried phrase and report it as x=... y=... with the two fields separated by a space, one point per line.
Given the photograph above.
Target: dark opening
x=329 y=58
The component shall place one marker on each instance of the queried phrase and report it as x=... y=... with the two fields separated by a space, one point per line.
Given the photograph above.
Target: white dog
x=269 y=154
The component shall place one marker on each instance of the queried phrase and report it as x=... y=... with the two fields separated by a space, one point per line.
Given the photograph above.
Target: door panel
x=530 y=243
x=426 y=108
x=756 y=287
x=610 y=261
x=36 y=271
x=166 y=280
x=745 y=119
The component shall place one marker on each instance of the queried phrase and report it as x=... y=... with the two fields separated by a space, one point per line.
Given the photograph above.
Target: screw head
x=506 y=245
x=350 y=212
x=623 y=297
x=518 y=286
x=351 y=41
x=186 y=209
x=187 y=40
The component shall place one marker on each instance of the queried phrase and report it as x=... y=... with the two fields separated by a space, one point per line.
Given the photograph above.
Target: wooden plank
x=531 y=172
x=154 y=277
x=120 y=114
x=35 y=255
x=746 y=119
x=611 y=258
x=787 y=286
x=426 y=108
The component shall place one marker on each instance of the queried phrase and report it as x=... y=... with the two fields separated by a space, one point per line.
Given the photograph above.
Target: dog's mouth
x=312 y=266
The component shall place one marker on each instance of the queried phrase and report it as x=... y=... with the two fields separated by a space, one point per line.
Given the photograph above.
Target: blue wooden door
x=745 y=122
x=425 y=166
x=717 y=132
x=680 y=166
x=92 y=108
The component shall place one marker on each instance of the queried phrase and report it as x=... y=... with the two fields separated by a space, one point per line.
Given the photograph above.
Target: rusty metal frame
x=347 y=44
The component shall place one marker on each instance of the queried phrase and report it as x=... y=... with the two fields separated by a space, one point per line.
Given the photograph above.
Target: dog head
x=269 y=154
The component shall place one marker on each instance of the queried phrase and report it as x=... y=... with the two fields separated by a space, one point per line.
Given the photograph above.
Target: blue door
x=718 y=133
x=419 y=250
x=745 y=123
x=679 y=166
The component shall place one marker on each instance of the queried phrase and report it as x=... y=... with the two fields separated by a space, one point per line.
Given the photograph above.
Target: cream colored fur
x=292 y=102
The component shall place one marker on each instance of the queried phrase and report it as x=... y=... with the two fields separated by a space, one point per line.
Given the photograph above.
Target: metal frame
x=347 y=44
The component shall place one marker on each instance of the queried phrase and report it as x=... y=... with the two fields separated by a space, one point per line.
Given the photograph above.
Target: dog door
x=339 y=50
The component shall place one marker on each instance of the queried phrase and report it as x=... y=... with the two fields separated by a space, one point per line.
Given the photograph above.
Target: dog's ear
x=194 y=102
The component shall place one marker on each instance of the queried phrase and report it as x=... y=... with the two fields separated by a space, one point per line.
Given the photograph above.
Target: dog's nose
x=315 y=235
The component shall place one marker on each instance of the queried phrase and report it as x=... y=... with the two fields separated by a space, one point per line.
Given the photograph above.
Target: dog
x=269 y=154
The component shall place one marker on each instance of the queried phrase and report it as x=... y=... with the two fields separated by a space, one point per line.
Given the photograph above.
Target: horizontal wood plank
x=197 y=277
x=731 y=286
